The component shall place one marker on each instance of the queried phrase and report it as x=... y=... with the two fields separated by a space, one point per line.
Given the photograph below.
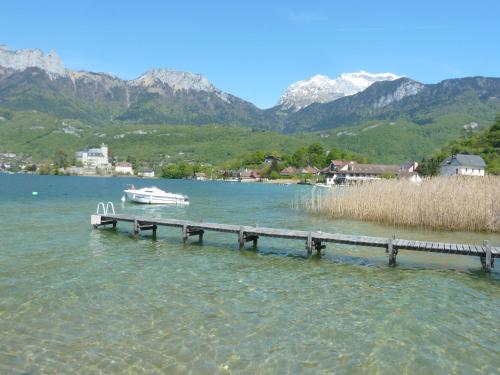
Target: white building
x=124 y=167
x=146 y=172
x=94 y=157
x=200 y=176
x=463 y=165
x=347 y=172
x=332 y=171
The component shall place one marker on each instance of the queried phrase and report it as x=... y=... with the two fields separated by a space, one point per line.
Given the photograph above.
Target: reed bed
x=451 y=203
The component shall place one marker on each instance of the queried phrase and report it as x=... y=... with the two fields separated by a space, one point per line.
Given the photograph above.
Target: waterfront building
x=200 y=176
x=332 y=171
x=309 y=170
x=288 y=172
x=94 y=157
x=347 y=172
x=124 y=167
x=146 y=172
x=246 y=174
x=463 y=165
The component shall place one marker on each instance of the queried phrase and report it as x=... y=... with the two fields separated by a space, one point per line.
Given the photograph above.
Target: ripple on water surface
x=77 y=300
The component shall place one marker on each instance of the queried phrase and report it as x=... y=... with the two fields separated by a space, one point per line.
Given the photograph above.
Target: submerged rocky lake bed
x=78 y=300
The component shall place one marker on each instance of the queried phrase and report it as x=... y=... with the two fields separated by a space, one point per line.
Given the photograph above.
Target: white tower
x=104 y=150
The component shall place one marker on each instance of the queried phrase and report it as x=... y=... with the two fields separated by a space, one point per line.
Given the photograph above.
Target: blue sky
x=255 y=49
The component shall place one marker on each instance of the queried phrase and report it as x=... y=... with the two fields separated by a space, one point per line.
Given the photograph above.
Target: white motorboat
x=153 y=195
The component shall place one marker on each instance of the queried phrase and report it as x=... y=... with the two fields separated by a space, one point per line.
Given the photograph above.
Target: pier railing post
x=392 y=250
x=486 y=259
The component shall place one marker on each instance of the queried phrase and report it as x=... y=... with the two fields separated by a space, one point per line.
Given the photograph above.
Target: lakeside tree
x=429 y=167
x=132 y=160
x=272 y=171
x=316 y=155
x=61 y=159
x=176 y=171
x=299 y=157
x=336 y=154
x=31 y=168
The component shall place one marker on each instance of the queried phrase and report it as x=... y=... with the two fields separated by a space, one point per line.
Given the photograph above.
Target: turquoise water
x=77 y=300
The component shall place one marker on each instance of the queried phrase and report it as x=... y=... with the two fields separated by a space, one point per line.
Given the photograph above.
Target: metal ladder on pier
x=108 y=208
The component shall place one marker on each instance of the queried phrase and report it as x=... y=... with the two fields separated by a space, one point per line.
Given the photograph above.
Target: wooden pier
x=314 y=240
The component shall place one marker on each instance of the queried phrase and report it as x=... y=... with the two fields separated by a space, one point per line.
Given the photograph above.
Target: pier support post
x=200 y=236
x=393 y=252
x=154 y=231
x=136 y=227
x=114 y=224
x=241 y=237
x=309 y=244
x=318 y=246
x=184 y=233
x=487 y=260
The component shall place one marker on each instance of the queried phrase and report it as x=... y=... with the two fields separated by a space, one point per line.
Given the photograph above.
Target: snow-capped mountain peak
x=322 y=89
x=28 y=58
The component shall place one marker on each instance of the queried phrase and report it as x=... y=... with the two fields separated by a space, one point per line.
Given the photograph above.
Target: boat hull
x=152 y=199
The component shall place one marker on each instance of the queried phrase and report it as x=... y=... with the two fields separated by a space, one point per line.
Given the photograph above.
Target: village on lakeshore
x=96 y=161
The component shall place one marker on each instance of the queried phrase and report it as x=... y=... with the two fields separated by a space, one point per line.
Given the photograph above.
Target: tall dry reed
x=455 y=203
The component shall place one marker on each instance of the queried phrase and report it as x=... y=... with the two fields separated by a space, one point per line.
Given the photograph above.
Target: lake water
x=78 y=300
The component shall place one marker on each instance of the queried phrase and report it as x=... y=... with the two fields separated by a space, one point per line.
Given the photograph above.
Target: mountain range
x=31 y=80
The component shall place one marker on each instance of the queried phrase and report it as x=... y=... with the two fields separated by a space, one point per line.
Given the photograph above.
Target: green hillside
x=400 y=140
x=39 y=135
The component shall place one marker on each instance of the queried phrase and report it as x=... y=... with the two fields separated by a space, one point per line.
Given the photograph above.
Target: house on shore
x=409 y=171
x=348 y=172
x=463 y=165
x=247 y=175
x=124 y=167
x=366 y=172
x=334 y=168
x=309 y=170
x=288 y=172
x=200 y=176
x=146 y=172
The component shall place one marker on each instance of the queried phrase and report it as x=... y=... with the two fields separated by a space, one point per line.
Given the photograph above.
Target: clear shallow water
x=77 y=300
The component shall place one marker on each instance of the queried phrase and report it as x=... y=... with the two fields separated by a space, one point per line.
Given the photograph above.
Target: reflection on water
x=76 y=300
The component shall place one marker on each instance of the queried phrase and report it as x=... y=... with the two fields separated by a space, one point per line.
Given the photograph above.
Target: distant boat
x=153 y=195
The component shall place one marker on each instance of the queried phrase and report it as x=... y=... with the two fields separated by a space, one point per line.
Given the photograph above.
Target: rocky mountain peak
x=406 y=87
x=322 y=89
x=28 y=58
x=175 y=79
x=178 y=80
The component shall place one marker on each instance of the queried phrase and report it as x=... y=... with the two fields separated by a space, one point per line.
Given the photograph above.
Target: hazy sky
x=254 y=49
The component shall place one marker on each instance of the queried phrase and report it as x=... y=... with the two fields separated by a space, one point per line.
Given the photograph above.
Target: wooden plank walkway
x=314 y=239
